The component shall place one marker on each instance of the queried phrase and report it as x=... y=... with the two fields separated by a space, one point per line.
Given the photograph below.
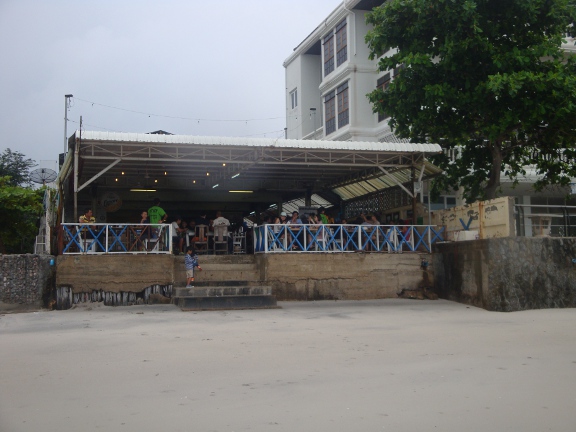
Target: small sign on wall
x=111 y=202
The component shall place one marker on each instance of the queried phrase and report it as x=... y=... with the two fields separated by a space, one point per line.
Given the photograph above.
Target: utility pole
x=66 y=105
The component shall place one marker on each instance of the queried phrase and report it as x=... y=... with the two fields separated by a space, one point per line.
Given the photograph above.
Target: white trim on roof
x=259 y=142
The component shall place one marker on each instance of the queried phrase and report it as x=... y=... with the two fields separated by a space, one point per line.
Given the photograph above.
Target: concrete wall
x=26 y=282
x=507 y=274
x=114 y=273
x=341 y=276
x=291 y=276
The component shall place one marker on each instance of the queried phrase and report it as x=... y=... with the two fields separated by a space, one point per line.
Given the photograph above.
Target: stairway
x=226 y=282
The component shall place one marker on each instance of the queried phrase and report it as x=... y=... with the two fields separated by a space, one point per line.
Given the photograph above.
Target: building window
x=382 y=84
x=341 y=43
x=294 y=98
x=443 y=202
x=328 y=54
x=330 y=112
x=343 y=112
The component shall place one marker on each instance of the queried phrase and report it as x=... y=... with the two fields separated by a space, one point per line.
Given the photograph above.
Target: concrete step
x=224 y=259
x=228 y=266
x=222 y=291
x=227 y=302
x=224 y=294
x=218 y=275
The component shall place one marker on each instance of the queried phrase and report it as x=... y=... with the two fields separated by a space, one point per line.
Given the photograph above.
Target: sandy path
x=385 y=365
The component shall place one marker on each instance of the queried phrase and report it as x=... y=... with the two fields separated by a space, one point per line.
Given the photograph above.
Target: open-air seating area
x=76 y=238
x=284 y=238
x=99 y=238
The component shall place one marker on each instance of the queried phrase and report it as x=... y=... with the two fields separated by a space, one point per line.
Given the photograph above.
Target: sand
x=381 y=365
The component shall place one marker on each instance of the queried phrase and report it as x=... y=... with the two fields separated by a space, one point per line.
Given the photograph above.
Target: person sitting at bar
x=296 y=230
x=177 y=230
x=221 y=221
x=89 y=234
x=143 y=230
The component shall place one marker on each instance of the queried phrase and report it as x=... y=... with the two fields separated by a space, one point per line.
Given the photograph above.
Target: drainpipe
x=352 y=32
x=481 y=220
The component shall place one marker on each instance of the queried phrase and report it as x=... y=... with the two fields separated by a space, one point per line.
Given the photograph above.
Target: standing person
x=191 y=261
x=323 y=216
x=156 y=215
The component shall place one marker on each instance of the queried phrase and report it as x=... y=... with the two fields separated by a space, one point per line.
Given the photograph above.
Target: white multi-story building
x=328 y=77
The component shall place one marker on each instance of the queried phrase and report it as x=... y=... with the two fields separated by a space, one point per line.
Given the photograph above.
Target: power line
x=175 y=117
x=114 y=130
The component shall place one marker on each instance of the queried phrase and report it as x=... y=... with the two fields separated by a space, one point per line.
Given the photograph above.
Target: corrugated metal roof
x=269 y=169
x=259 y=142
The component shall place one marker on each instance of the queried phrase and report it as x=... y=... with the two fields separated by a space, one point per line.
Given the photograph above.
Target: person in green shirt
x=156 y=214
x=323 y=216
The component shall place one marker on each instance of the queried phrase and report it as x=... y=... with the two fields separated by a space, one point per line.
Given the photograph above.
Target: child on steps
x=191 y=261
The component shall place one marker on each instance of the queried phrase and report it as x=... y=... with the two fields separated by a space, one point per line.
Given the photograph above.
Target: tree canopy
x=20 y=209
x=15 y=165
x=486 y=76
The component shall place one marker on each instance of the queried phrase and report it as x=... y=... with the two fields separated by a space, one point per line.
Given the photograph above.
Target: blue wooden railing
x=271 y=238
x=98 y=238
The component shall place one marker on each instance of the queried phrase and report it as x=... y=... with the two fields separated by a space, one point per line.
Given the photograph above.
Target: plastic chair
x=239 y=243
x=201 y=239
x=220 y=239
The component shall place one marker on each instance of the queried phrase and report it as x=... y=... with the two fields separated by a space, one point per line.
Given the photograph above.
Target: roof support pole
x=397 y=182
x=76 y=153
x=413 y=172
x=99 y=174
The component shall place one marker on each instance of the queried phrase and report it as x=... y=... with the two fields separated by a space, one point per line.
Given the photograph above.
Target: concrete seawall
x=508 y=274
x=26 y=281
x=320 y=276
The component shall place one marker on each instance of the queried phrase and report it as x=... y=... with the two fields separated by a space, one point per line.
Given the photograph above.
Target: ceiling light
x=235 y=175
x=116 y=179
x=215 y=186
x=165 y=172
x=207 y=173
x=223 y=164
x=241 y=191
x=142 y=190
x=122 y=172
x=155 y=180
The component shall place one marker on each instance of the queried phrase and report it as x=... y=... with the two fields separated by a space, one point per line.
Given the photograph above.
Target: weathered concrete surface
x=240 y=267
x=26 y=282
x=114 y=273
x=292 y=276
x=354 y=276
x=508 y=274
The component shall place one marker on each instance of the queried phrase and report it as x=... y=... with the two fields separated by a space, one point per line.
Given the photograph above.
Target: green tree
x=487 y=76
x=20 y=209
x=15 y=165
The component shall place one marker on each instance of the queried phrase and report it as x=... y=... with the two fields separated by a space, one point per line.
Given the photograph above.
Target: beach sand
x=379 y=365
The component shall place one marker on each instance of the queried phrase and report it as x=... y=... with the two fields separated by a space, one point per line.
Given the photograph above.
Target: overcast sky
x=183 y=66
